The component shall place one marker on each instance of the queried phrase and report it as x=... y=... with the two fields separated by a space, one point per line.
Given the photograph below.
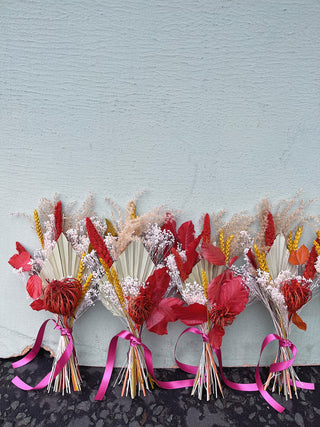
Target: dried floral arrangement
x=282 y=275
x=134 y=285
x=213 y=293
x=58 y=281
x=148 y=272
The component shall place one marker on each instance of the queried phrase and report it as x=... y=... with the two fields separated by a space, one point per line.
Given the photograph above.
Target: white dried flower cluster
x=193 y=292
x=317 y=264
x=131 y=287
x=99 y=224
x=37 y=261
x=91 y=261
x=157 y=242
x=90 y=298
x=49 y=235
x=175 y=278
x=109 y=241
x=284 y=276
x=109 y=298
x=271 y=296
x=246 y=240
x=78 y=237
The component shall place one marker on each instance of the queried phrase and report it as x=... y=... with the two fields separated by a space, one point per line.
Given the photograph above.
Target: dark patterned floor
x=158 y=408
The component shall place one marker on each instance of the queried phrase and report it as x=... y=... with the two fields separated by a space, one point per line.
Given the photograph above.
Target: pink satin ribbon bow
x=35 y=350
x=134 y=341
x=257 y=386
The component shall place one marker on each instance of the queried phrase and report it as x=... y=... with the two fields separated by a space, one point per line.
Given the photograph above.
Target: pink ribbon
x=35 y=350
x=257 y=386
x=134 y=341
x=277 y=367
x=194 y=369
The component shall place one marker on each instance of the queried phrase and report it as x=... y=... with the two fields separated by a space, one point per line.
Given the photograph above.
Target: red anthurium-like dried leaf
x=252 y=259
x=206 y=231
x=269 y=233
x=192 y=255
x=20 y=248
x=162 y=314
x=37 y=305
x=98 y=244
x=212 y=254
x=58 y=219
x=21 y=260
x=34 y=286
x=186 y=234
x=157 y=284
x=214 y=287
x=193 y=314
x=215 y=336
x=234 y=295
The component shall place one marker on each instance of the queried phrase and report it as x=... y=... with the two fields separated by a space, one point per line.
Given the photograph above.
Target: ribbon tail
x=168 y=385
x=35 y=349
x=59 y=366
x=108 y=369
x=234 y=386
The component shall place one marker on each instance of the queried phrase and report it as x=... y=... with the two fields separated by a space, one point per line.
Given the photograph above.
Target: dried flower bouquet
x=133 y=287
x=214 y=295
x=280 y=274
x=58 y=281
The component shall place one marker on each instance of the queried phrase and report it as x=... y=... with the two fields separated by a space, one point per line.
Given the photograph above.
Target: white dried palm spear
x=63 y=262
x=211 y=270
x=134 y=262
x=278 y=258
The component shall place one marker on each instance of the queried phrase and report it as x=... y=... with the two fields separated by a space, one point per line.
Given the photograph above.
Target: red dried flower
x=206 y=232
x=62 y=296
x=140 y=307
x=179 y=264
x=98 y=244
x=269 y=233
x=228 y=300
x=58 y=219
x=221 y=316
x=296 y=294
x=310 y=271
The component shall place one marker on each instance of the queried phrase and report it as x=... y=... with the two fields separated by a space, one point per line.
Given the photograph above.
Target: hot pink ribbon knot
x=64 y=331
x=204 y=337
x=285 y=343
x=134 y=341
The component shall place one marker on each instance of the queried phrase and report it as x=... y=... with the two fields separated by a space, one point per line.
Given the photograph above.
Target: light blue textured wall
x=205 y=104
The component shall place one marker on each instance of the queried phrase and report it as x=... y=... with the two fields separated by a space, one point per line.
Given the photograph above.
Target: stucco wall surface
x=204 y=104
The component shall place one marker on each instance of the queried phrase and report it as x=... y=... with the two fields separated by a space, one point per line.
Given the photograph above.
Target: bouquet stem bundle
x=207 y=375
x=134 y=374
x=286 y=379
x=69 y=377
